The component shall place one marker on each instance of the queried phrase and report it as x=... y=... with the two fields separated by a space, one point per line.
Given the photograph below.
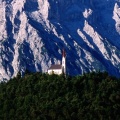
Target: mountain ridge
x=33 y=34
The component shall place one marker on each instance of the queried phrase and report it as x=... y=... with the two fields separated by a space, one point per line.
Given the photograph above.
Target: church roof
x=55 y=67
x=63 y=53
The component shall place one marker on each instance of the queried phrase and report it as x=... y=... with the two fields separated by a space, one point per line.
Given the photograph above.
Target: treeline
x=37 y=96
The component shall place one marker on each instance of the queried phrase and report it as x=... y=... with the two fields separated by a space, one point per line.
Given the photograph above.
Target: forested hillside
x=37 y=96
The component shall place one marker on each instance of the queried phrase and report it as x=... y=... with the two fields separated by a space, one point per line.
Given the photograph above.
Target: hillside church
x=59 y=68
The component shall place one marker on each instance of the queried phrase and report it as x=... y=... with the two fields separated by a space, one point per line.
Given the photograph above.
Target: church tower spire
x=63 y=61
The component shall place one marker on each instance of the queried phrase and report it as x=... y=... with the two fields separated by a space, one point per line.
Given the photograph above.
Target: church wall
x=56 y=71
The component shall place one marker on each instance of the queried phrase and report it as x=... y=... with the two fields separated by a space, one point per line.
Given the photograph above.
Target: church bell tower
x=63 y=61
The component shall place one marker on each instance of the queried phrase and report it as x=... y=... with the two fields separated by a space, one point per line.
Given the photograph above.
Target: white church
x=59 y=68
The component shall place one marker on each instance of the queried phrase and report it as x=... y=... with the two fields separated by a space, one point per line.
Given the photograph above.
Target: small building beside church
x=59 y=68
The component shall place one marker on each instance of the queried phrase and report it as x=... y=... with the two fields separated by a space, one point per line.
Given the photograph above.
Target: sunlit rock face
x=33 y=33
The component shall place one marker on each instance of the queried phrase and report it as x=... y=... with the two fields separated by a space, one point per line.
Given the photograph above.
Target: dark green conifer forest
x=38 y=96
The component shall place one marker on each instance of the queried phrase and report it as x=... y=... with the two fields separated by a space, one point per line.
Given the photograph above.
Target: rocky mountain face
x=33 y=33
